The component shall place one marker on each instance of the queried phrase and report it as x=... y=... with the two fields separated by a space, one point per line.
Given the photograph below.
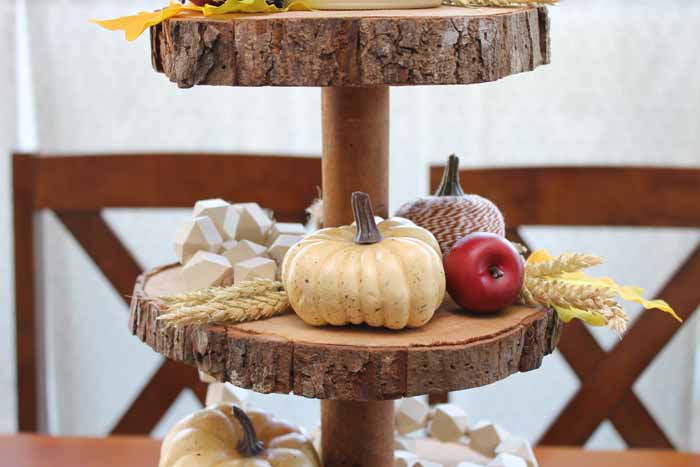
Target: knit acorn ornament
x=450 y=214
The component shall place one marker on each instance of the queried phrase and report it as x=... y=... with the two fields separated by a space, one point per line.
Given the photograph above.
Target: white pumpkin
x=387 y=275
x=225 y=436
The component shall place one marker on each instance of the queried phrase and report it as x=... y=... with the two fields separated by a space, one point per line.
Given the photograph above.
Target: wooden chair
x=604 y=196
x=77 y=188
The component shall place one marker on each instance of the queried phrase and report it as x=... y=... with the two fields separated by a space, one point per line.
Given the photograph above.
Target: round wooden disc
x=445 y=45
x=456 y=350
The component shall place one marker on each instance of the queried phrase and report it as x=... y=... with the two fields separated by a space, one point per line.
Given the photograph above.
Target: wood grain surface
x=456 y=350
x=445 y=45
x=43 y=451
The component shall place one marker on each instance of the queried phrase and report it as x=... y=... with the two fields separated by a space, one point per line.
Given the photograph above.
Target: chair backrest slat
x=78 y=188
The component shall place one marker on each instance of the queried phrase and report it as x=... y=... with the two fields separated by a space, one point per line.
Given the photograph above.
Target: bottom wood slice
x=456 y=350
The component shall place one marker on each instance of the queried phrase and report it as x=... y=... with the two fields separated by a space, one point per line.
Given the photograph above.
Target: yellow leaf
x=567 y=314
x=539 y=256
x=133 y=26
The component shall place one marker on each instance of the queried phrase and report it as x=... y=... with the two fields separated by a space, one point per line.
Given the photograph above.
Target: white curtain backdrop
x=7 y=141
x=621 y=90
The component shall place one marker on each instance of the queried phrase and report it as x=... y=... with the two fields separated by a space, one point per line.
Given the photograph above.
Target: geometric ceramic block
x=253 y=224
x=486 y=437
x=256 y=268
x=404 y=459
x=507 y=460
x=285 y=228
x=315 y=437
x=237 y=252
x=214 y=209
x=404 y=444
x=281 y=245
x=205 y=378
x=198 y=234
x=448 y=424
x=519 y=447
x=468 y=464
x=411 y=415
x=424 y=463
x=207 y=270
x=224 y=393
x=232 y=222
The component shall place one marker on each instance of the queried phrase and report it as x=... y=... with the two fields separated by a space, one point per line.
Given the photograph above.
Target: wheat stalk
x=597 y=300
x=499 y=3
x=566 y=263
x=247 y=301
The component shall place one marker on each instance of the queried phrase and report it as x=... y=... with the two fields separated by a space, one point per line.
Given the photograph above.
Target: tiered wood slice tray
x=354 y=56
x=456 y=350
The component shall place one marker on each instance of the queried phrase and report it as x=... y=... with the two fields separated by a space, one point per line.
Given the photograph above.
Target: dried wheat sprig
x=499 y=3
x=568 y=262
x=248 y=301
x=597 y=300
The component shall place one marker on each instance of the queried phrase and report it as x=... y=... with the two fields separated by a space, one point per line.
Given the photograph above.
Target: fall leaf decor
x=451 y=214
x=559 y=282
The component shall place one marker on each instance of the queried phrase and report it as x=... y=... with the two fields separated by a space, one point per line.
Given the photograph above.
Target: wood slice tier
x=455 y=351
x=445 y=45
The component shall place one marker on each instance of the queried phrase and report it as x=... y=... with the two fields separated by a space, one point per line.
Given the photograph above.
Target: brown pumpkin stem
x=367 y=230
x=249 y=446
x=450 y=186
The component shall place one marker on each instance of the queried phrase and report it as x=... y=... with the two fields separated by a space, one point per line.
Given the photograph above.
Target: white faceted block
x=224 y=393
x=237 y=252
x=315 y=437
x=507 y=460
x=232 y=222
x=284 y=228
x=411 y=415
x=198 y=234
x=485 y=437
x=404 y=459
x=253 y=224
x=519 y=447
x=468 y=464
x=206 y=378
x=448 y=423
x=281 y=245
x=425 y=463
x=256 y=268
x=207 y=270
x=214 y=209
x=404 y=444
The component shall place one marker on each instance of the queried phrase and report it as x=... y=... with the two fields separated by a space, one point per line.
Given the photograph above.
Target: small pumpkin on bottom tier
x=450 y=214
x=226 y=436
x=387 y=275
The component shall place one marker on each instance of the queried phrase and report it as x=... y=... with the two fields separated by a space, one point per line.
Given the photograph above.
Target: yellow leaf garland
x=596 y=309
x=134 y=25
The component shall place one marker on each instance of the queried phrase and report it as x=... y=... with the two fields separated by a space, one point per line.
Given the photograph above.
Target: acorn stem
x=450 y=186
x=367 y=230
x=249 y=446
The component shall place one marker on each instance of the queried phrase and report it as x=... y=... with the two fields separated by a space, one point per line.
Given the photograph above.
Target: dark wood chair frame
x=604 y=196
x=78 y=188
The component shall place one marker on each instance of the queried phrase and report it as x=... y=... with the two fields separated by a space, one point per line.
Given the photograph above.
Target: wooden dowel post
x=356 y=158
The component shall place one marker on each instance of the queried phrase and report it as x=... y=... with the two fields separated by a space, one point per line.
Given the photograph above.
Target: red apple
x=484 y=272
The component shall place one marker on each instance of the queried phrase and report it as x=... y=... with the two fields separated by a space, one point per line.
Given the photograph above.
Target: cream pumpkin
x=386 y=275
x=225 y=436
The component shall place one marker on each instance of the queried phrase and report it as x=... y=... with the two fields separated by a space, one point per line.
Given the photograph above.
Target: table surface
x=44 y=451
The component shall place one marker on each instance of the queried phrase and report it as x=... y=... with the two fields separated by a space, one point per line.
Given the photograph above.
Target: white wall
x=7 y=141
x=620 y=90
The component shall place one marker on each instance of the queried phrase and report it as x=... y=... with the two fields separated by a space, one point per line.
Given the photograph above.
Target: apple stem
x=367 y=230
x=496 y=272
x=450 y=186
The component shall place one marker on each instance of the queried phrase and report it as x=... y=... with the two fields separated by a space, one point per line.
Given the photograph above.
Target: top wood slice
x=445 y=45
x=456 y=350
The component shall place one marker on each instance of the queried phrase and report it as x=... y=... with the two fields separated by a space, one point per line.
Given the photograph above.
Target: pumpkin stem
x=367 y=230
x=249 y=446
x=450 y=186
